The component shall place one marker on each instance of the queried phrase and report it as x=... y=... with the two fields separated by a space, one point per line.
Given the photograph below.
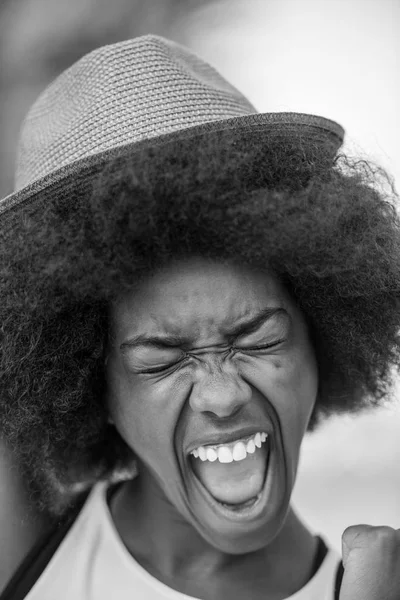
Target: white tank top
x=92 y=563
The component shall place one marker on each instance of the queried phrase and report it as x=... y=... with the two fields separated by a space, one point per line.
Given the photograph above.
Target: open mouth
x=233 y=476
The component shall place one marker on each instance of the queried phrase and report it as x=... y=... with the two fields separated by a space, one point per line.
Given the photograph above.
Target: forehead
x=196 y=297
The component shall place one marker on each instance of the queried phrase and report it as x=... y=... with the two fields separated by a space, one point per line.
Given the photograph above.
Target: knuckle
x=385 y=535
x=353 y=532
x=367 y=535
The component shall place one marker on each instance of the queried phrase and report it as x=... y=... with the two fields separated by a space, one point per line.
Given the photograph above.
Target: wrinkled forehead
x=196 y=297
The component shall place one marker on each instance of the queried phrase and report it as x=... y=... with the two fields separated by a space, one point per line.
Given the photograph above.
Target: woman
x=188 y=286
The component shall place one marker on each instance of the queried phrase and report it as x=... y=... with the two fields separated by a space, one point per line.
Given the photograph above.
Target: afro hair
x=328 y=228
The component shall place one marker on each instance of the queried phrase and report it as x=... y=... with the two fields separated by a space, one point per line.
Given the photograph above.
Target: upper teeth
x=227 y=453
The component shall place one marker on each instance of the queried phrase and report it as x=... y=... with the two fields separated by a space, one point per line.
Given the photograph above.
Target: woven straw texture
x=119 y=94
x=141 y=95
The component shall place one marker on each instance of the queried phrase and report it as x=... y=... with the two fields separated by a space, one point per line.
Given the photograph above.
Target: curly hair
x=327 y=228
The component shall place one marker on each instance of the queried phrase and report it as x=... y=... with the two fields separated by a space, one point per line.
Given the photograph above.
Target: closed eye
x=235 y=348
x=260 y=347
x=164 y=368
x=158 y=370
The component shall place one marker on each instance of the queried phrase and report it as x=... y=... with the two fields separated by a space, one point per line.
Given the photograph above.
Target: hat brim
x=76 y=179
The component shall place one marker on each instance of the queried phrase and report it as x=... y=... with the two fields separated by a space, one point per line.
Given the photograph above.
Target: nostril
x=226 y=415
x=209 y=413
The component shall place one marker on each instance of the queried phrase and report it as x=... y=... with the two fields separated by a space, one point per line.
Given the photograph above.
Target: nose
x=219 y=389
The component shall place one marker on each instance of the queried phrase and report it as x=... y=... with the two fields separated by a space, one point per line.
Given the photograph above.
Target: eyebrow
x=255 y=322
x=174 y=341
x=158 y=341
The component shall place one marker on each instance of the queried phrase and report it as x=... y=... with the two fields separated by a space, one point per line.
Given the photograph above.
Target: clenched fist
x=371 y=560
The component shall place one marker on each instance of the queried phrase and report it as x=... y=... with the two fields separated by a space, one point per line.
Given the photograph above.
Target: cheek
x=290 y=385
x=145 y=413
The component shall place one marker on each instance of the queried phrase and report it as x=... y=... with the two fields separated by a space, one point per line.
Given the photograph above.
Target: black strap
x=338 y=581
x=39 y=556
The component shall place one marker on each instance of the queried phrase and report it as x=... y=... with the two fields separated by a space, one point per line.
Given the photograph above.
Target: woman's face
x=207 y=358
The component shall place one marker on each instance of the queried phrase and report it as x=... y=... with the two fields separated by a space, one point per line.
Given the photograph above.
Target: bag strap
x=338 y=581
x=39 y=556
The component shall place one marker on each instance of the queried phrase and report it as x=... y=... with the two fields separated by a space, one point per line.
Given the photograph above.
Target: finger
x=351 y=538
x=367 y=538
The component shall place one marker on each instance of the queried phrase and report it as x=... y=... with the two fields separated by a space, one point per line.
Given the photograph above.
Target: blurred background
x=336 y=58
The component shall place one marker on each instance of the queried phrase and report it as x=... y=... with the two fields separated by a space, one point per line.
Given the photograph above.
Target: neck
x=172 y=550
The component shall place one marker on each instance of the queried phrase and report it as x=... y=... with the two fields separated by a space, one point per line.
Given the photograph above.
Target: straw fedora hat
x=130 y=97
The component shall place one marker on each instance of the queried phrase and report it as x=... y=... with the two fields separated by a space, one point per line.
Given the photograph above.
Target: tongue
x=235 y=482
